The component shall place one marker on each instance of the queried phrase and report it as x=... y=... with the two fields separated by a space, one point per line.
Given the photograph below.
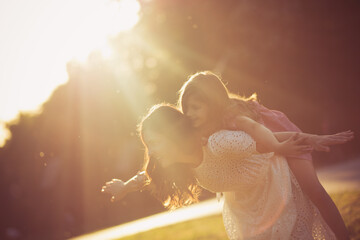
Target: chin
x=195 y=125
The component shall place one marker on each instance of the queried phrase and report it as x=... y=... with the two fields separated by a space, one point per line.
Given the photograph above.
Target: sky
x=39 y=37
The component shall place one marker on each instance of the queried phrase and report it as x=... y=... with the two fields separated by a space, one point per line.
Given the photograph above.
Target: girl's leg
x=304 y=172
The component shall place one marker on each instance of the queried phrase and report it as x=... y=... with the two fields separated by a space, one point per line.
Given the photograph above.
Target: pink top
x=277 y=121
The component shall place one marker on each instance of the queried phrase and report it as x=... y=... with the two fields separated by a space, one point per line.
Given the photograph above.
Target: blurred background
x=77 y=76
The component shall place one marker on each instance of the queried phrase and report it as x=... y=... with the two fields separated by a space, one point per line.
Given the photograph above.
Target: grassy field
x=211 y=228
x=349 y=206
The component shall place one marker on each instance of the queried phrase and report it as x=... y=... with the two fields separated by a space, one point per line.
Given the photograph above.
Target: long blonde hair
x=208 y=87
x=175 y=186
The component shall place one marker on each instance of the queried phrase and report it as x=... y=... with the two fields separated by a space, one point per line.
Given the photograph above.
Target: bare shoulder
x=243 y=119
x=244 y=123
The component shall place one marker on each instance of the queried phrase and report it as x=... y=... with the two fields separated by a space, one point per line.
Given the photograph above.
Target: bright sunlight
x=39 y=37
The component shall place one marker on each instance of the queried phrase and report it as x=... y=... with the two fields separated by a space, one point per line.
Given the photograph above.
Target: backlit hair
x=208 y=88
x=175 y=186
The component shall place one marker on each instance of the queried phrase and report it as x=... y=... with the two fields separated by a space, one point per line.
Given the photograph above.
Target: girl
x=174 y=165
x=205 y=100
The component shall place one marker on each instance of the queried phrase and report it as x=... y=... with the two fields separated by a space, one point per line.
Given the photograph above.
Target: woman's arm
x=119 y=189
x=265 y=138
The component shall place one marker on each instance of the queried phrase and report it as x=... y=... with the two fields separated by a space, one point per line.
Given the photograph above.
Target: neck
x=209 y=128
x=193 y=159
x=194 y=155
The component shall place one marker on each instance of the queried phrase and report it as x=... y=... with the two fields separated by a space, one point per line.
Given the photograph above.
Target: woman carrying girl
x=175 y=166
x=206 y=101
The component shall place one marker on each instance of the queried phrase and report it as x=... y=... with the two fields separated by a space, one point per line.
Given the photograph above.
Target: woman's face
x=160 y=148
x=197 y=111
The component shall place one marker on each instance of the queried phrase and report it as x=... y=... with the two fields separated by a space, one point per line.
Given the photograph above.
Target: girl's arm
x=318 y=142
x=269 y=143
x=282 y=136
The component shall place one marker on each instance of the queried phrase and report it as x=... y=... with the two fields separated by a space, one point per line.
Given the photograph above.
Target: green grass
x=208 y=228
x=348 y=204
x=212 y=228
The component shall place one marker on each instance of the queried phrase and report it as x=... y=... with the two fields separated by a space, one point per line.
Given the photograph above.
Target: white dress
x=262 y=198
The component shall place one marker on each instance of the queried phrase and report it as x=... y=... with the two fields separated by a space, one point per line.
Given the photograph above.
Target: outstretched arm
x=265 y=138
x=119 y=189
x=319 y=142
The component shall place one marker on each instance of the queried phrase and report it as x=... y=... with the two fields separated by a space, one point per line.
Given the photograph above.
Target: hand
x=295 y=146
x=116 y=188
x=322 y=142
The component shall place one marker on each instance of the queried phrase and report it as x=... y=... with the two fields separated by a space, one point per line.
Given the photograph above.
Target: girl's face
x=197 y=111
x=160 y=148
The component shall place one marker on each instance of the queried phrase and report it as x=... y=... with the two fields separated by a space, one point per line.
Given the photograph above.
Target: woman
x=205 y=100
x=175 y=167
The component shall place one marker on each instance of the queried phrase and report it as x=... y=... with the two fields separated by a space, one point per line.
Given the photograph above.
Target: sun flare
x=97 y=21
x=36 y=46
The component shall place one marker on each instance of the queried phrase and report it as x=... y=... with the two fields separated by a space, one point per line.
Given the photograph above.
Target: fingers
x=348 y=133
x=104 y=189
x=344 y=135
x=307 y=149
x=337 y=140
x=297 y=139
x=295 y=136
x=304 y=149
x=300 y=140
x=107 y=187
x=322 y=148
